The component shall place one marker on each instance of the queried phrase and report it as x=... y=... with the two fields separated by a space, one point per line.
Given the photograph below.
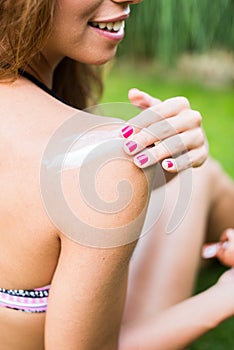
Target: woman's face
x=87 y=30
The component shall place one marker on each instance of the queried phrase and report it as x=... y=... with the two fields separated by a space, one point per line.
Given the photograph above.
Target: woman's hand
x=223 y=250
x=164 y=130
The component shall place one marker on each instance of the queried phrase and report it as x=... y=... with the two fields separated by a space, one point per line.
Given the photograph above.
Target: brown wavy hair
x=24 y=26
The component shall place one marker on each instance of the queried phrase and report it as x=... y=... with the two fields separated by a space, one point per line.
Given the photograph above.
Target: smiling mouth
x=112 y=27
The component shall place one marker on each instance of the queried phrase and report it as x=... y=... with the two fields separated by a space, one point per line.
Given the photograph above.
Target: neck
x=41 y=69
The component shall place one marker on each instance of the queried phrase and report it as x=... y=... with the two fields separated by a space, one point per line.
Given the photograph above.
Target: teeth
x=117 y=26
x=111 y=26
x=102 y=25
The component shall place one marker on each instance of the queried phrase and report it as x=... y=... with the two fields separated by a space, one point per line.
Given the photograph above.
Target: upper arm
x=87 y=297
x=88 y=289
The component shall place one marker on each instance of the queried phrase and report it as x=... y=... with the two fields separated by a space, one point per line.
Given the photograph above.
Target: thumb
x=141 y=99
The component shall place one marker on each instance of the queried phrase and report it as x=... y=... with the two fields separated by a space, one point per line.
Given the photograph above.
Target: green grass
x=217 y=108
x=220 y=338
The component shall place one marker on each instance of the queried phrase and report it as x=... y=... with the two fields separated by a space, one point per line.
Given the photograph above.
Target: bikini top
x=30 y=300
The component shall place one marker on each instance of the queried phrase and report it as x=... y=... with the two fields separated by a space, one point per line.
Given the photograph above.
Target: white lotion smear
x=82 y=146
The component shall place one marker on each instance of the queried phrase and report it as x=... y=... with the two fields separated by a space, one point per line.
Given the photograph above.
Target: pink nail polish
x=131 y=145
x=142 y=159
x=170 y=164
x=127 y=131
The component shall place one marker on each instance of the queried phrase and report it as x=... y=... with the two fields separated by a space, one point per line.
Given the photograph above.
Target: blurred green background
x=167 y=28
x=185 y=47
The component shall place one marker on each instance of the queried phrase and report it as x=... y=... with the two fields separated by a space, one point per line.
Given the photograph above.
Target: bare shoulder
x=112 y=194
x=25 y=99
x=106 y=195
x=25 y=105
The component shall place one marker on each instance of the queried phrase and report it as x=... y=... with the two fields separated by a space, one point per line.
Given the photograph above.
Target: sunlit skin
x=85 y=293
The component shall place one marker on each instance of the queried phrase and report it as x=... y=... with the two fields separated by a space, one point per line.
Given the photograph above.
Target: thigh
x=222 y=209
x=163 y=268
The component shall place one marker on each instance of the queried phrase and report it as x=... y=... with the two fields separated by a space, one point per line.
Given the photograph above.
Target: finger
x=210 y=250
x=164 y=129
x=141 y=99
x=227 y=235
x=194 y=158
x=169 y=147
x=172 y=147
x=226 y=256
x=165 y=109
x=226 y=250
x=144 y=119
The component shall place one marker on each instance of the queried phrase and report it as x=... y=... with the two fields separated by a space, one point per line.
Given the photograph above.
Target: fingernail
x=210 y=251
x=127 y=131
x=131 y=146
x=142 y=159
x=168 y=164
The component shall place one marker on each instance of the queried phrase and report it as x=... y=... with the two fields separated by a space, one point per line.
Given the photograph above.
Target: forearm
x=181 y=324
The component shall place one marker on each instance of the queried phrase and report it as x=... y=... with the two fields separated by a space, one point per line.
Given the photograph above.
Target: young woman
x=46 y=52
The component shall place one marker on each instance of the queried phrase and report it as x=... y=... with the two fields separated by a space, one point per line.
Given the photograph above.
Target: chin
x=102 y=61
x=97 y=58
